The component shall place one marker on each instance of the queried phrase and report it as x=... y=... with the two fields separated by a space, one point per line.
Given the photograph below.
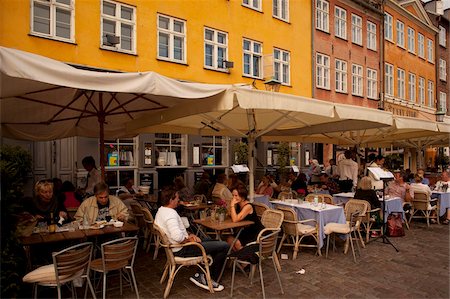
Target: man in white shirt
x=170 y=222
x=419 y=186
x=444 y=186
x=220 y=190
x=348 y=173
x=93 y=177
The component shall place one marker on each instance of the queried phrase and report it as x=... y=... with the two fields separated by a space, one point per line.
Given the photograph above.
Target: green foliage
x=15 y=164
x=443 y=160
x=283 y=158
x=240 y=152
x=393 y=162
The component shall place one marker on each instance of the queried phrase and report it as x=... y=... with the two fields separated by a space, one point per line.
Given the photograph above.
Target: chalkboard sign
x=146 y=179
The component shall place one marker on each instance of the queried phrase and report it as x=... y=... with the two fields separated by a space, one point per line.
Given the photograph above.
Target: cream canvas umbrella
x=251 y=114
x=45 y=99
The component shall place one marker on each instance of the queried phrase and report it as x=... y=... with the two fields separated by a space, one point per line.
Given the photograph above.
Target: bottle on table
x=52 y=224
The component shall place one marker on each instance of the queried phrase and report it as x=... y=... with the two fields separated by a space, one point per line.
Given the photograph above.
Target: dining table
x=444 y=200
x=221 y=226
x=70 y=232
x=322 y=213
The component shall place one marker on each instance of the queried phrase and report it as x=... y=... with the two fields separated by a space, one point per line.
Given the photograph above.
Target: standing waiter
x=348 y=173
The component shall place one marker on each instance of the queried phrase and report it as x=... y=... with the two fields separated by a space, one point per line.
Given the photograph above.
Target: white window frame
x=172 y=34
x=357 y=80
x=442 y=36
x=442 y=102
x=430 y=50
x=340 y=75
x=280 y=10
x=53 y=6
x=118 y=22
x=372 y=84
x=421 y=45
x=421 y=91
x=254 y=56
x=340 y=22
x=442 y=69
x=388 y=30
x=400 y=28
x=430 y=88
x=412 y=87
x=389 y=79
x=411 y=40
x=216 y=45
x=400 y=83
x=281 y=66
x=357 y=26
x=322 y=71
x=371 y=36
x=253 y=4
x=323 y=15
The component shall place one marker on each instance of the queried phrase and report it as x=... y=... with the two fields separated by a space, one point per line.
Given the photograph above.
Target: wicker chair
x=297 y=230
x=136 y=208
x=422 y=203
x=117 y=254
x=266 y=243
x=368 y=220
x=175 y=263
x=150 y=234
x=259 y=208
x=286 y=195
x=353 y=211
x=273 y=219
x=68 y=265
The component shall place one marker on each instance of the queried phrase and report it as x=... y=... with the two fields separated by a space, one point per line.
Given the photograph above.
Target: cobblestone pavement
x=419 y=270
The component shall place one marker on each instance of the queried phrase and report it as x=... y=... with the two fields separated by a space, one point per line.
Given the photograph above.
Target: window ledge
x=224 y=71
x=171 y=61
x=117 y=50
x=56 y=39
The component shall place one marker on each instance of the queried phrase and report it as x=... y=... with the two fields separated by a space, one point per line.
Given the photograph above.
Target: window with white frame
x=357 y=80
x=442 y=69
x=281 y=64
x=214 y=151
x=411 y=40
x=442 y=102
x=322 y=15
x=340 y=22
x=400 y=34
x=401 y=84
x=371 y=36
x=53 y=19
x=253 y=4
x=421 y=91
x=442 y=36
x=430 y=93
x=252 y=55
x=430 y=50
x=412 y=87
x=118 y=20
x=356 y=29
x=281 y=9
x=421 y=45
x=171 y=39
x=341 y=75
x=389 y=79
x=322 y=71
x=388 y=34
x=372 y=88
x=216 y=45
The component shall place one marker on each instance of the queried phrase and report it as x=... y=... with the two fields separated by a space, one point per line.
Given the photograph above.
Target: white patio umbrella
x=253 y=113
x=45 y=99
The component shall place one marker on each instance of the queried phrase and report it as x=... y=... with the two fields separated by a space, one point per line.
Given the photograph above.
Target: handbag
x=395 y=225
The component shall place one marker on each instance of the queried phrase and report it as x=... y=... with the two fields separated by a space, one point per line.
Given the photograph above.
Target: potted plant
x=221 y=210
x=283 y=158
x=240 y=152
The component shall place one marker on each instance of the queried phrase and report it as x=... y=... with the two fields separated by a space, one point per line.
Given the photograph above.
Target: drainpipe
x=313 y=28
x=382 y=70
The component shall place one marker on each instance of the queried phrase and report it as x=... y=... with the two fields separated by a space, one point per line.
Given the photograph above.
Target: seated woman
x=242 y=209
x=366 y=192
x=44 y=204
x=264 y=187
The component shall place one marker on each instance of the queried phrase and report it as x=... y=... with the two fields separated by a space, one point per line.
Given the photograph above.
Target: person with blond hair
x=366 y=192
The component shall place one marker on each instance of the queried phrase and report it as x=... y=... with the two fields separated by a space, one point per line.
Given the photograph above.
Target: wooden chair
x=297 y=230
x=70 y=264
x=266 y=243
x=175 y=263
x=259 y=208
x=150 y=234
x=136 y=208
x=353 y=211
x=422 y=203
x=119 y=255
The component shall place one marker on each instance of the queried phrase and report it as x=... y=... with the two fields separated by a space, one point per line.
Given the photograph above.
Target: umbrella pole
x=101 y=120
x=251 y=147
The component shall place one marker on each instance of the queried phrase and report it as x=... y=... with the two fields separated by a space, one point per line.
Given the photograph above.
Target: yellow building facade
x=74 y=31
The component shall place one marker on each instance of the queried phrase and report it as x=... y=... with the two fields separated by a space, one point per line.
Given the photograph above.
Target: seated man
x=102 y=206
x=419 y=186
x=443 y=186
x=399 y=188
x=170 y=222
x=326 y=183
